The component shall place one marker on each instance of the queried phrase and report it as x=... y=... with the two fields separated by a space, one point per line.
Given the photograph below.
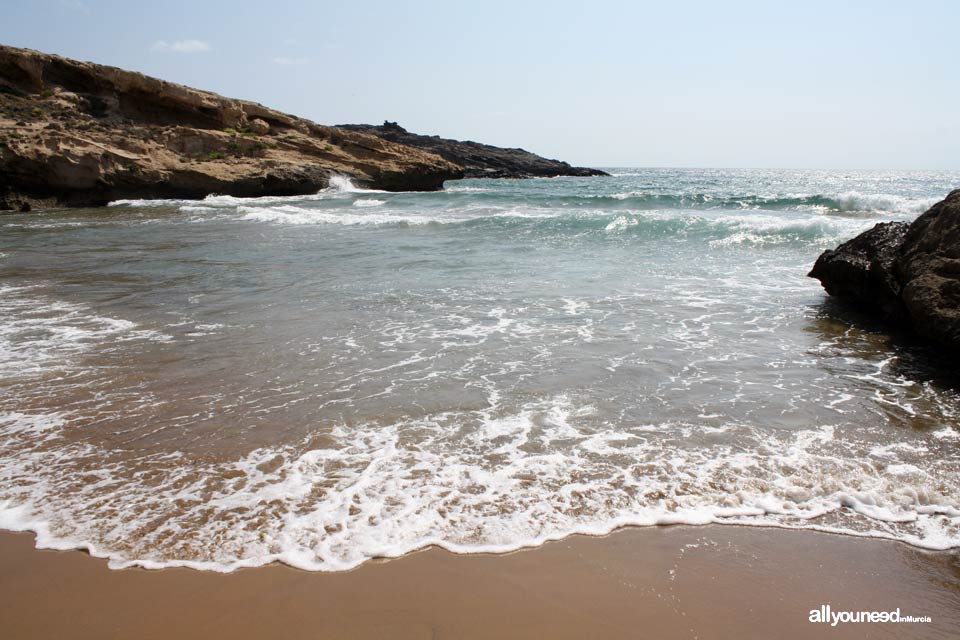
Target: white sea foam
x=343 y=184
x=376 y=493
x=947 y=433
x=303 y=215
x=853 y=201
x=621 y=223
x=585 y=378
x=727 y=229
x=339 y=185
x=40 y=333
x=464 y=189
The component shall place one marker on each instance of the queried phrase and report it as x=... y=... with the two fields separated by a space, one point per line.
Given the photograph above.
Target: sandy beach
x=664 y=582
x=443 y=321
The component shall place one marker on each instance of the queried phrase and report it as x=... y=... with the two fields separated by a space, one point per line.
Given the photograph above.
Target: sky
x=798 y=84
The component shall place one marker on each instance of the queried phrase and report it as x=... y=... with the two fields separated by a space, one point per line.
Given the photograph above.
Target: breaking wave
x=725 y=227
x=323 y=379
x=384 y=491
x=339 y=186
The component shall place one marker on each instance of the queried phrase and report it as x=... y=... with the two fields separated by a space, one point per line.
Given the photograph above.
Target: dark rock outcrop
x=478 y=160
x=862 y=269
x=906 y=273
x=82 y=134
x=929 y=270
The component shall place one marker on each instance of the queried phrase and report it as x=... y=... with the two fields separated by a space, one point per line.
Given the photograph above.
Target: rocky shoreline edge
x=905 y=274
x=477 y=160
x=81 y=134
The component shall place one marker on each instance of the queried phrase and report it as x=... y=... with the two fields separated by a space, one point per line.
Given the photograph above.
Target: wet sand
x=666 y=582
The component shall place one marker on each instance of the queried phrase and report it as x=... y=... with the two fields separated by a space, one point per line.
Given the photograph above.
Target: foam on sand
x=349 y=375
x=380 y=491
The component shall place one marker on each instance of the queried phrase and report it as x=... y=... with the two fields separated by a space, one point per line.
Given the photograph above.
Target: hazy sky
x=713 y=83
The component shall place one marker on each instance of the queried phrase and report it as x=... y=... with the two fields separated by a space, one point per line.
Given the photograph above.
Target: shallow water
x=324 y=379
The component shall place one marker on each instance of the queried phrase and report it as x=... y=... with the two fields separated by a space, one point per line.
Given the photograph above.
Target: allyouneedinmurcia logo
x=833 y=618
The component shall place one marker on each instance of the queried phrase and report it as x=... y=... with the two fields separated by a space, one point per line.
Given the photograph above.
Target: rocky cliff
x=478 y=160
x=905 y=273
x=82 y=134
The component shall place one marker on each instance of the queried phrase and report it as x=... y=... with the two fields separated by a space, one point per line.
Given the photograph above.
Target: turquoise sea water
x=324 y=379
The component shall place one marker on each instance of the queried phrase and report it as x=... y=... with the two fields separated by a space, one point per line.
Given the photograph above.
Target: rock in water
x=478 y=160
x=862 y=269
x=906 y=273
x=929 y=269
x=82 y=134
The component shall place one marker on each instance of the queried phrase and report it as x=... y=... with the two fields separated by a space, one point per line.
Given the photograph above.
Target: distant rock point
x=477 y=160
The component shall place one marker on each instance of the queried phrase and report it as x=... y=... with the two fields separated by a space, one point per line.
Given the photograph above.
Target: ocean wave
x=408 y=387
x=310 y=216
x=40 y=334
x=339 y=185
x=746 y=227
x=376 y=493
x=369 y=203
x=462 y=189
x=845 y=203
x=850 y=203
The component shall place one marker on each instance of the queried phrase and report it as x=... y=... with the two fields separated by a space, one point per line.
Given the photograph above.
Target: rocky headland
x=905 y=273
x=82 y=134
x=478 y=160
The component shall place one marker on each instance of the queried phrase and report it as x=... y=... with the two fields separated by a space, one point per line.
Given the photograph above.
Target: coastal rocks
x=929 y=268
x=80 y=134
x=259 y=127
x=862 y=269
x=478 y=160
x=906 y=273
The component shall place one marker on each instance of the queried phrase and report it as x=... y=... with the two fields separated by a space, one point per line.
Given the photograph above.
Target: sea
x=326 y=379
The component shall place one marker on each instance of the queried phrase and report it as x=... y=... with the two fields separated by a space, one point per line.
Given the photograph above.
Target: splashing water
x=324 y=379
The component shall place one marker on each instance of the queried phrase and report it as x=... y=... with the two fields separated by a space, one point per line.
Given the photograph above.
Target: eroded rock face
x=862 y=269
x=81 y=134
x=929 y=268
x=478 y=160
x=906 y=273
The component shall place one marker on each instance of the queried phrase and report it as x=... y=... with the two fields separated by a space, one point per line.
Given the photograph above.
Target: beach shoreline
x=665 y=582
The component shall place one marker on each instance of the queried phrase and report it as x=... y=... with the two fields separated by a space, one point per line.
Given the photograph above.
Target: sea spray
x=323 y=379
